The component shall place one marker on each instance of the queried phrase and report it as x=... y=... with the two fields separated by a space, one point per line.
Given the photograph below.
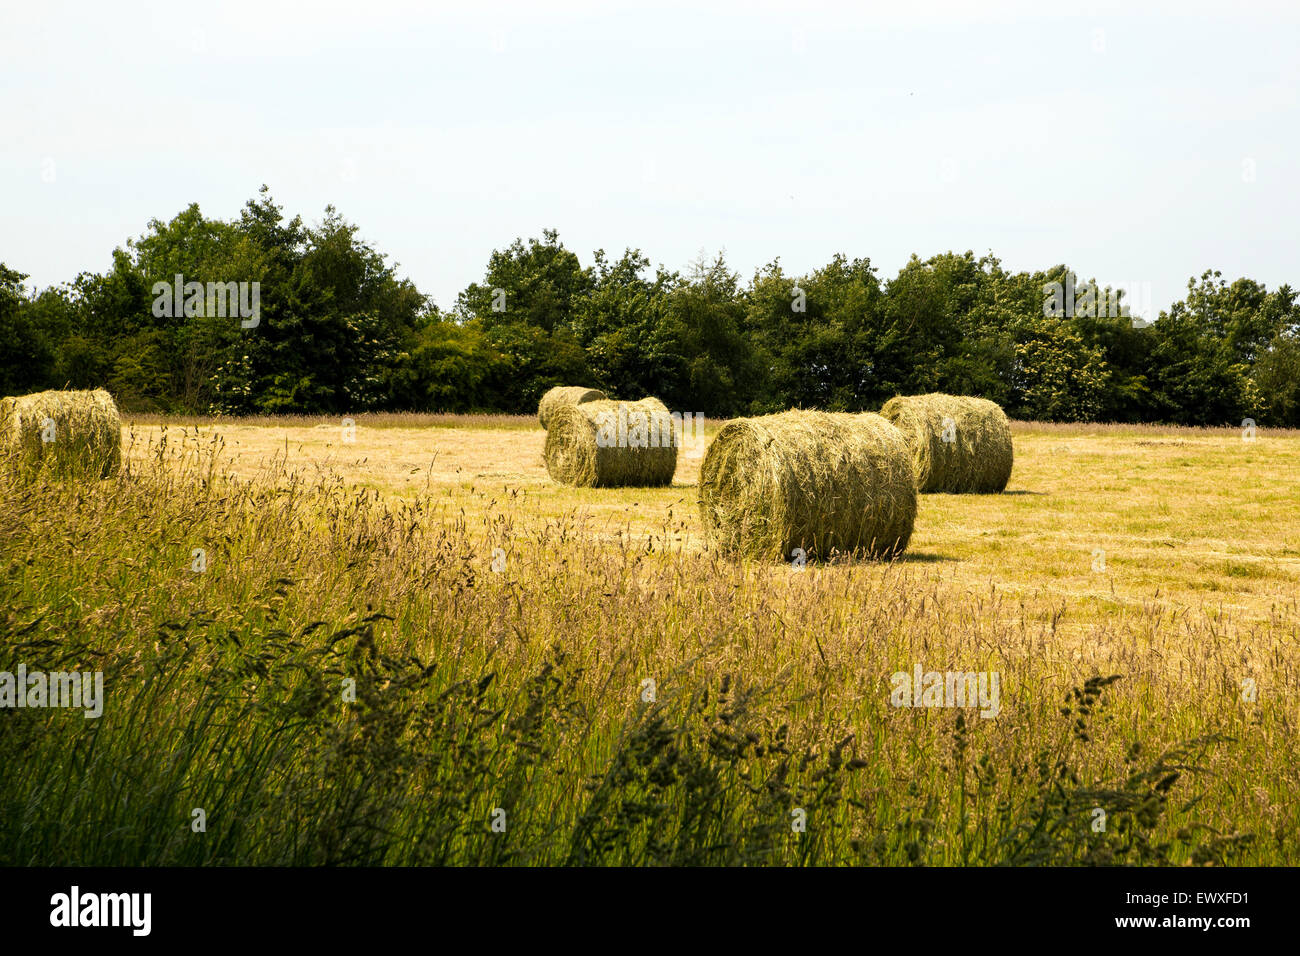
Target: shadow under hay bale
x=958 y=444
x=820 y=481
x=605 y=444
x=565 y=395
x=68 y=434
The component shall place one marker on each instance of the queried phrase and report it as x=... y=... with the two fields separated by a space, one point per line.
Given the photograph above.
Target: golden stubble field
x=433 y=556
x=1109 y=521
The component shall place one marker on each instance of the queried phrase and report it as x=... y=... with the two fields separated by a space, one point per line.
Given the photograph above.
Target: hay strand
x=71 y=434
x=820 y=481
x=958 y=444
x=605 y=444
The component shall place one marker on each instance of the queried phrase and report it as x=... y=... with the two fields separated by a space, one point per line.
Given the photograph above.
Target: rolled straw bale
x=958 y=443
x=606 y=444
x=820 y=481
x=67 y=433
x=565 y=395
x=653 y=404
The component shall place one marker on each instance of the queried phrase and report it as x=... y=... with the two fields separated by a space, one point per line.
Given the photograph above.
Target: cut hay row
x=64 y=434
x=565 y=395
x=605 y=444
x=958 y=444
x=820 y=481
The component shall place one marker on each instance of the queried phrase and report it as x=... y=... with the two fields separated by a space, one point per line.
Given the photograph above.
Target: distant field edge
x=529 y=422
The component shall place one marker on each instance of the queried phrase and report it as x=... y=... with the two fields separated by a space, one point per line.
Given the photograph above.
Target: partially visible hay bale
x=653 y=404
x=605 y=444
x=67 y=434
x=820 y=481
x=565 y=395
x=958 y=444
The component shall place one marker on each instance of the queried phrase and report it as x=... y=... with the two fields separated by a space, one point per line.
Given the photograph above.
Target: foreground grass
x=454 y=674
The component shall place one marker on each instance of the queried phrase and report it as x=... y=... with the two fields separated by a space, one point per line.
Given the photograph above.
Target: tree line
x=339 y=331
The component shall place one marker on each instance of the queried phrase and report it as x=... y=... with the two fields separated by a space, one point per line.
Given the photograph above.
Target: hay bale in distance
x=653 y=404
x=820 y=481
x=565 y=395
x=959 y=444
x=66 y=434
x=605 y=444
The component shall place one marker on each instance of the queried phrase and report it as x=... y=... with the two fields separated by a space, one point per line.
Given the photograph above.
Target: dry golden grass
x=1196 y=596
x=1188 y=519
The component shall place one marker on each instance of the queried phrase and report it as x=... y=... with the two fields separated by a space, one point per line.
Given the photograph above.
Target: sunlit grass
x=524 y=689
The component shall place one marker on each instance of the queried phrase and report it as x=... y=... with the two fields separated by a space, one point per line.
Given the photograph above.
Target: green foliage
x=25 y=349
x=709 y=359
x=334 y=319
x=822 y=336
x=1056 y=375
x=526 y=306
x=533 y=360
x=446 y=367
x=536 y=285
x=952 y=311
x=1193 y=378
x=341 y=332
x=1071 y=821
x=621 y=325
x=1277 y=379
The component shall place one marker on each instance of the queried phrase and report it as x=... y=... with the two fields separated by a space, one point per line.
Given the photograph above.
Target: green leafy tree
x=709 y=362
x=26 y=353
x=1056 y=376
x=537 y=285
x=949 y=320
x=334 y=318
x=823 y=337
x=526 y=306
x=534 y=360
x=447 y=366
x=1277 y=381
x=1201 y=351
x=620 y=324
x=1109 y=326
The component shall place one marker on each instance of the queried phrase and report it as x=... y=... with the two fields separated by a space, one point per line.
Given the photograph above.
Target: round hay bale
x=75 y=434
x=959 y=444
x=820 y=481
x=605 y=444
x=653 y=404
x=565 y=395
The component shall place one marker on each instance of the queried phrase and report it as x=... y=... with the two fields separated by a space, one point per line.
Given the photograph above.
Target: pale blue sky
x=1139 y=147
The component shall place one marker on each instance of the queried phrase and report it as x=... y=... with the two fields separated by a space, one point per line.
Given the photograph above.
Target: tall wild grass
x=352 y=680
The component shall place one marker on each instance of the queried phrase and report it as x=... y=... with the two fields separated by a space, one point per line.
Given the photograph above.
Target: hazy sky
x=1138 y=147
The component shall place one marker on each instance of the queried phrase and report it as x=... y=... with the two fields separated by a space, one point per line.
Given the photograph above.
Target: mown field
x=409 y=646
